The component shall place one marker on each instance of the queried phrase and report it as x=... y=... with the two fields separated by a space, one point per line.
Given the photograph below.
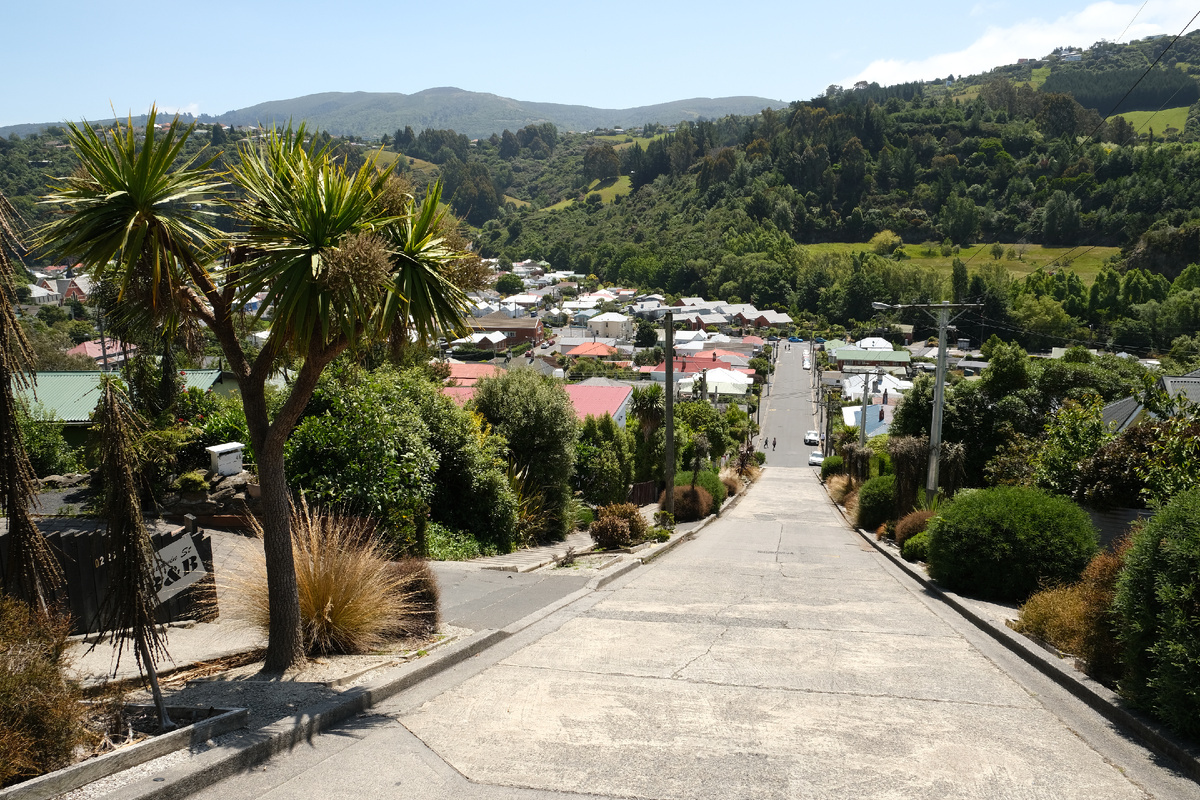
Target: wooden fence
x=84 y=556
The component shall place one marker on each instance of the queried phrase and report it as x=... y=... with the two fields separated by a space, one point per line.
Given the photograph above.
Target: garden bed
x=197 y=724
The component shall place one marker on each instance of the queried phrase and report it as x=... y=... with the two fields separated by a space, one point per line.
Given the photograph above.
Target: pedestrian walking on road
x=772 y=444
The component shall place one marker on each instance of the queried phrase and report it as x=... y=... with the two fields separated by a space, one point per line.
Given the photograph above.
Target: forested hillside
x=893 y=176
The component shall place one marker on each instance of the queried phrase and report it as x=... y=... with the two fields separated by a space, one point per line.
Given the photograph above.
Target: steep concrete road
x=776 y=656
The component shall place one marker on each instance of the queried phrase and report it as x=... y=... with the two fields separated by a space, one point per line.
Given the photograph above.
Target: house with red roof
x=592 y=350
x=114 y=349
x=596 y=401
x=470 y=374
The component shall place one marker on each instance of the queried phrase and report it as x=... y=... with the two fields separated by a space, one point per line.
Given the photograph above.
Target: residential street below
x=777 y=655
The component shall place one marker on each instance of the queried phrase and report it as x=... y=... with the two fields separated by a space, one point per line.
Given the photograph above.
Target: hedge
x=1006 y=542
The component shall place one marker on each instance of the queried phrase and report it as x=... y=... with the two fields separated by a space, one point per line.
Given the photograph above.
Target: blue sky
x=71 y=60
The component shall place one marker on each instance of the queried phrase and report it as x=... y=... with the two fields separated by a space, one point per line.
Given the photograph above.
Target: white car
x=807 y=364
x=815 y=458
x=812 y=437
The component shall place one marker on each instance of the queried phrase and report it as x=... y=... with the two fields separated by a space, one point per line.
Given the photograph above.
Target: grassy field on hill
x=1085 y=261
x=621 y=141
x=386 y=157
x=608 y=190
x=1174 y=117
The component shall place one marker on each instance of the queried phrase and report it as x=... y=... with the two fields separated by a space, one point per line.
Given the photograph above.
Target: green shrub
x=913 y=523
x=875 y=502
x=760 y=457
x=584 y=517
x=1006 y=542
x=832 y=465
x=664 y=520
x=447 y=544
x=48 y=451
x=611 y=533
x=194 y=481
x=709 y=480
x=1158 y=602
x=41 y=717
x=632 y=516
x=916 y=547
x=690 y=504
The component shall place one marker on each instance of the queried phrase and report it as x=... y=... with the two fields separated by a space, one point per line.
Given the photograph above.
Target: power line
x=1144 y=74
x=1130 y=25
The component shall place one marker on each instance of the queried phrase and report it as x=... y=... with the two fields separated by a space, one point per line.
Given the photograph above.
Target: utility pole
x=669 y=413
x=941 y=313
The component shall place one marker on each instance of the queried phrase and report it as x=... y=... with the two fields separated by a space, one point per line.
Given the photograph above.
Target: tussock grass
x=352 y=599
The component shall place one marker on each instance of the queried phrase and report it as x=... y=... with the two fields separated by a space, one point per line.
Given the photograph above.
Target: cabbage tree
x=341 y=258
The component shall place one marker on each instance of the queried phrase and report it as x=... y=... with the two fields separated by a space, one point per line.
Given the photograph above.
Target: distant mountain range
x=475 y=114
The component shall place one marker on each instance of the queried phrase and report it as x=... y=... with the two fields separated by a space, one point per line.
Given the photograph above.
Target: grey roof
x=1186 y=385
x=1120 y=414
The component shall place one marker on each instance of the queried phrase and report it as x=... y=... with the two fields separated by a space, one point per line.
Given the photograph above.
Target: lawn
x=386 y=157
x=516 y=201
x=1039 y=76
x=1173 y=117
x=608 y=189
x=620 y=142
x=1085 y=261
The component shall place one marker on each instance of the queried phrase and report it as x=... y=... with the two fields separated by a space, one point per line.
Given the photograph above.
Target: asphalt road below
x=776 y=656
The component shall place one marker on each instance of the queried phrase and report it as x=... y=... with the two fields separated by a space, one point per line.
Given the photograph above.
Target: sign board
x=176 y=567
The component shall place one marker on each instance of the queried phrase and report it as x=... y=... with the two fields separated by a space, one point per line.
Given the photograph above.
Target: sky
x=75 y=60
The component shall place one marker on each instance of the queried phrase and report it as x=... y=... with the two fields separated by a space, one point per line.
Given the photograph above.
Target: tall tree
x=341 y=257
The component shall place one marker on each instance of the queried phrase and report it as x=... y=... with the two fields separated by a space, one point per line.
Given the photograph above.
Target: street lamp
x=942 y=316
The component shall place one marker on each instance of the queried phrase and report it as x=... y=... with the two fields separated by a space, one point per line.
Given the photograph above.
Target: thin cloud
x=1032 y=38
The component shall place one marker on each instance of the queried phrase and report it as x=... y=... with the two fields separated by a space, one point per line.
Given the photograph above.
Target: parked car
x=815 y=458
x=795 y=339
x=807 y=363
x=812 y=437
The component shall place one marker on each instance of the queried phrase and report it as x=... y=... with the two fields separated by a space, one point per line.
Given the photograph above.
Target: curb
x=1095 y=695
x=207 y=768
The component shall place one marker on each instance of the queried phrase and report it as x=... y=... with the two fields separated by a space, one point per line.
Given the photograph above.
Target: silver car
x=812 y=437
x=815 y=458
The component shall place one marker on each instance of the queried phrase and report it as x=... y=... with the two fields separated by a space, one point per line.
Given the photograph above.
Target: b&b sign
x=176 y=567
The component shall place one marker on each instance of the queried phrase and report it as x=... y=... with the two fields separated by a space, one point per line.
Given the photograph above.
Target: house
x=468 y=374
x=105 y=350
x=79 y=288
x=718 y=382
x=874 y=343
x=517 y=330
x=71 y=397
x=879 y=418
x=39 y=295
x=611 y=325
x=592 y=350
x=596 y=401
x=855 y=358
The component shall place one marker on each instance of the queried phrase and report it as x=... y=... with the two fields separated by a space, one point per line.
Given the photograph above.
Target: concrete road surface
x=776 y=656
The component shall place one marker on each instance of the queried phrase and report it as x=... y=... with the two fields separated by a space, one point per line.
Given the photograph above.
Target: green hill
x=476 y=114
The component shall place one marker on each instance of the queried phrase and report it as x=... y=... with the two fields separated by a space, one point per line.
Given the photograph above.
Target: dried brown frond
x=32 y=572
x=131 y=603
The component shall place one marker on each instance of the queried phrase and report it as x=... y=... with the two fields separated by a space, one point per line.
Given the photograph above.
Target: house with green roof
x=71 y=397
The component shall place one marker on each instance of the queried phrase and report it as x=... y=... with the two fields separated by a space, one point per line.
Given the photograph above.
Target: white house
x=611 y=325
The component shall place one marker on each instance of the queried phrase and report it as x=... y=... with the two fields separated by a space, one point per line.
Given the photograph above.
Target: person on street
x=772 y=444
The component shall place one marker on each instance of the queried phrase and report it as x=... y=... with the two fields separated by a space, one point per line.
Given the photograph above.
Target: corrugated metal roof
x=72 y=396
